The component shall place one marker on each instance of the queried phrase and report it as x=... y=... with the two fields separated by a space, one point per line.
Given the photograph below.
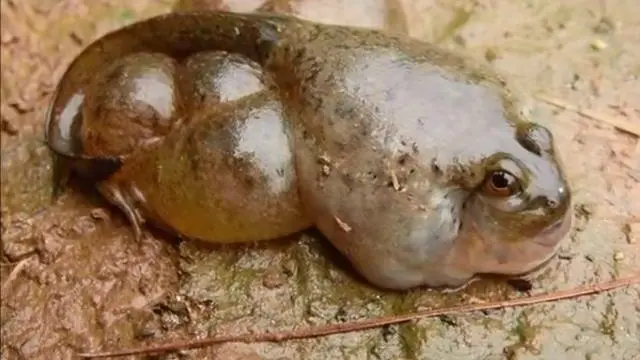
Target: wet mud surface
x=74 y=279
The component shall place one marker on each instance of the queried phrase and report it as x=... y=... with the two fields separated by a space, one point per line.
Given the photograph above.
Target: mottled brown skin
x=420 y=166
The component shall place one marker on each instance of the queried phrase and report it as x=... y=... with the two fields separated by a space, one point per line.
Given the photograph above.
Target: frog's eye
x=500 y=183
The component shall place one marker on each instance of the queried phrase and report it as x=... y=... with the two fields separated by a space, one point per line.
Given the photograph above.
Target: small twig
x=343 y=225
x=394 y=180
x=332 y=329
x=14 y=273
x=626 y=126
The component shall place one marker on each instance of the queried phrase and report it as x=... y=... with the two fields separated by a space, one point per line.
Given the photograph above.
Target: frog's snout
x=558 y=199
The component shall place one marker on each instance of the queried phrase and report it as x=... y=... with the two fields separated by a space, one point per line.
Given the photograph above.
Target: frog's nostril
x=554 y=202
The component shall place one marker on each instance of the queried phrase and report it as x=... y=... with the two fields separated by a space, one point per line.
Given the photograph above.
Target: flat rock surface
x=74 y=279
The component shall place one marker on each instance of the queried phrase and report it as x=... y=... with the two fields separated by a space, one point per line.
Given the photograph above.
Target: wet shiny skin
x=387 y=145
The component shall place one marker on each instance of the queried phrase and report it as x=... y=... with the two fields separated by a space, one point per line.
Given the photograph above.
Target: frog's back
x=397 y=94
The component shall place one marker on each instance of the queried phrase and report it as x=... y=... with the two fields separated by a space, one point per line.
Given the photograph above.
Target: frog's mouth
x=553 y=234
x=489 y=253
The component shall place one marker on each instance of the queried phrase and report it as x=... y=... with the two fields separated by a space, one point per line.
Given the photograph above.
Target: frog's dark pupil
x=500 y=180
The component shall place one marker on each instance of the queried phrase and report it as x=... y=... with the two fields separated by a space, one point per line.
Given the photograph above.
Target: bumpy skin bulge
x=421 y=167
x=227 y=177
x=213 y=77
x=134 y=102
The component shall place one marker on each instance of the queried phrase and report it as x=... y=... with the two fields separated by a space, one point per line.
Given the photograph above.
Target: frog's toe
x=126 y=204
x=138 y=233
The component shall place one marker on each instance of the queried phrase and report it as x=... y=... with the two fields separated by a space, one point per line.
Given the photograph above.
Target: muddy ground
x=73 y=278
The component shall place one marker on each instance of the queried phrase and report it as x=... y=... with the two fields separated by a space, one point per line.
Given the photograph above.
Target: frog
x=422 y=166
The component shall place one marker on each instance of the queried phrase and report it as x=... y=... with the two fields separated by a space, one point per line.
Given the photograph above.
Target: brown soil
x=74 y=279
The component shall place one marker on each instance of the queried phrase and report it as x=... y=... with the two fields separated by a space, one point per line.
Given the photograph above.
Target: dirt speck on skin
x=74 y=278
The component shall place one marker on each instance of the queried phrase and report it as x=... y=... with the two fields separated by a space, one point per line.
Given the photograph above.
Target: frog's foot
x=121 y=199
